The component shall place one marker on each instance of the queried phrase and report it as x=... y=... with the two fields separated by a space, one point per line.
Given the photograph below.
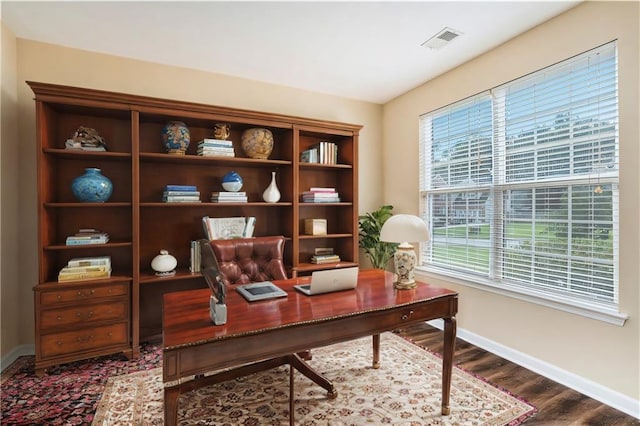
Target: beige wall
x=59 y=65
x=603 y=353
x=10 y=290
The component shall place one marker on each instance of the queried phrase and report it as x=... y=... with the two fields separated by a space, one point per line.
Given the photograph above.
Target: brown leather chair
x=246 y=260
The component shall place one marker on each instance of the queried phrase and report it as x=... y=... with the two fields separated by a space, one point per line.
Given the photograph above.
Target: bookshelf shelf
x=140 y=224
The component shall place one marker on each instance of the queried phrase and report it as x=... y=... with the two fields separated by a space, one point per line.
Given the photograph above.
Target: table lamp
x=402 y=228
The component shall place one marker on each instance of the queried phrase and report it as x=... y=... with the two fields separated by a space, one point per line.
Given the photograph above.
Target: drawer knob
x=406 y=316
x=85 y=294
x=86 y=316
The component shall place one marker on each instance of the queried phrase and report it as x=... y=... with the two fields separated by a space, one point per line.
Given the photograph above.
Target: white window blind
x=520 y=184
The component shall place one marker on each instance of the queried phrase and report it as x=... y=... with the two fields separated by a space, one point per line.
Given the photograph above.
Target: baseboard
x=587 y=387
x=16 y=353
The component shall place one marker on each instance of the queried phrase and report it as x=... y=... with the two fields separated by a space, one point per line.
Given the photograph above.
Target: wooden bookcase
x=89 y=318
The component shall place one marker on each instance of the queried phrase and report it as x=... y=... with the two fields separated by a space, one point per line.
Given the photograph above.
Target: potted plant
x=369 y=226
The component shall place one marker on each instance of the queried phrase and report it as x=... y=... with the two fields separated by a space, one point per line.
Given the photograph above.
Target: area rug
x=405 y=390
x=67 y=394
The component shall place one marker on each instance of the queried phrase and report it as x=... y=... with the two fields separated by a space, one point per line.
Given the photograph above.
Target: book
x=215 y=142
x=181 y=193
x=215 y=148
x=90 y=261
x=322 y=200
x=321 y=189
x=325 y=259
x=319 y=251
x=229 y=194
x=309 y=156
x=225 y=200
x=230 y=197
x=75 y=241
x=180 y=188
x=91 y=268
x=249 y=227
x=319 y=194
x=71 y=144
x=195 y=260
x=77 y=276
x=181 y=198
x=215 y=154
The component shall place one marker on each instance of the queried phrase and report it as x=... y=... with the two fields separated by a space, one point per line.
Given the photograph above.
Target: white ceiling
x=363 y=50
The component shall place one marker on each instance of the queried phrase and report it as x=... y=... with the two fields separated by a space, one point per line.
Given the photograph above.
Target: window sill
x=588 y=310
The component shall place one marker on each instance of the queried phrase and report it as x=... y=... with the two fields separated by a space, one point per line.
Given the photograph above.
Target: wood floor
x=557 y=405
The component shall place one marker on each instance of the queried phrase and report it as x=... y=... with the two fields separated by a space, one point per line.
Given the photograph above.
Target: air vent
x=441 y=39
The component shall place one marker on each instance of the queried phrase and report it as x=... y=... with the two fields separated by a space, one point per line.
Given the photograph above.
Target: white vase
x=271 y=194
x=164 y=264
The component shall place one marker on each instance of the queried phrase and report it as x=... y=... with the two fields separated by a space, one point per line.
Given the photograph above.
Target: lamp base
x=404 y=260
x=404 y=286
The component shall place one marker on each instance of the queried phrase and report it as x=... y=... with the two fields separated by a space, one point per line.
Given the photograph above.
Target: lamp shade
x=404 y=228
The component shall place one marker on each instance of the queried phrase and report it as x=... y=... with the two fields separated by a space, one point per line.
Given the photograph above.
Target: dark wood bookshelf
x=140 y=224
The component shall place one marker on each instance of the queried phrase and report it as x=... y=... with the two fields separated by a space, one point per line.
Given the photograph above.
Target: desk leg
x=171 y=396
x=447 y=362
x=376 y=351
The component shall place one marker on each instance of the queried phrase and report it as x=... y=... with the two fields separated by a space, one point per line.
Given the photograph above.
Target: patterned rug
x=406 y=390
x=68 y=394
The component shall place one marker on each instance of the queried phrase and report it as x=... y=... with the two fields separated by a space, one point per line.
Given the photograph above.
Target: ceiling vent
x=441 y=39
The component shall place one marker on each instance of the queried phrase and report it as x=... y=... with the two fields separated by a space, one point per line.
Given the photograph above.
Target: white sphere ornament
x=164 y=264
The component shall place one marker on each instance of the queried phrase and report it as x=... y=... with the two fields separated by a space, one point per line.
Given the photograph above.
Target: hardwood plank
x=556 y=404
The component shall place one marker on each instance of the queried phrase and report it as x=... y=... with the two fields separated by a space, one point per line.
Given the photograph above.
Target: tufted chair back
x=247 y=260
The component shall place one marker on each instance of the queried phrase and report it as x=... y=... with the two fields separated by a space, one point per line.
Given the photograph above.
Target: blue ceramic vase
x=92 y=187
x=232 y=182
x=176 y=137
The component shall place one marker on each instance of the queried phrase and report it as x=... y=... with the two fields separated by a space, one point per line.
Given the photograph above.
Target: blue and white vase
x=232 y=182
x=176 y=137
x=92 y=187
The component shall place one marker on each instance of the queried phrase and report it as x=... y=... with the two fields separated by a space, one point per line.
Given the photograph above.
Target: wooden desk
x=263 y=330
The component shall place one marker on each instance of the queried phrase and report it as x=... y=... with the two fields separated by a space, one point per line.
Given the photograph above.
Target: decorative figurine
x=88 y=139
x=221 y=131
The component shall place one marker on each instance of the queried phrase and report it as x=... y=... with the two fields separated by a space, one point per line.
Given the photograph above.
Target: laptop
x=329 y=281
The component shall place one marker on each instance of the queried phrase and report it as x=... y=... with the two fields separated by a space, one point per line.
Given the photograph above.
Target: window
x=520 y=184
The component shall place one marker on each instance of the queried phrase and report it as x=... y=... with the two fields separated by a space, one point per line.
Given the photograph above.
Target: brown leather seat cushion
x=247 y=260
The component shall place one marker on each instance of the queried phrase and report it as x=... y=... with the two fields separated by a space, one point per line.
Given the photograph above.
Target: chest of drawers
x=81 y=320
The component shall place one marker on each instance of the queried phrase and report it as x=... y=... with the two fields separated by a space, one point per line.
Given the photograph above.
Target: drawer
x=84 y=314
x=71 y=342
x=82 y=294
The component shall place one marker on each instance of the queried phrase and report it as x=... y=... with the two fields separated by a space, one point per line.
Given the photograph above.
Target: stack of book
x=181 y=194
x=216 y=147
x=86 y=268
x=229 y=197
x=195 y=260
x=324 y=255
x=323 y=152
x=71 y=144
x=320 y=195
x=86 y=237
